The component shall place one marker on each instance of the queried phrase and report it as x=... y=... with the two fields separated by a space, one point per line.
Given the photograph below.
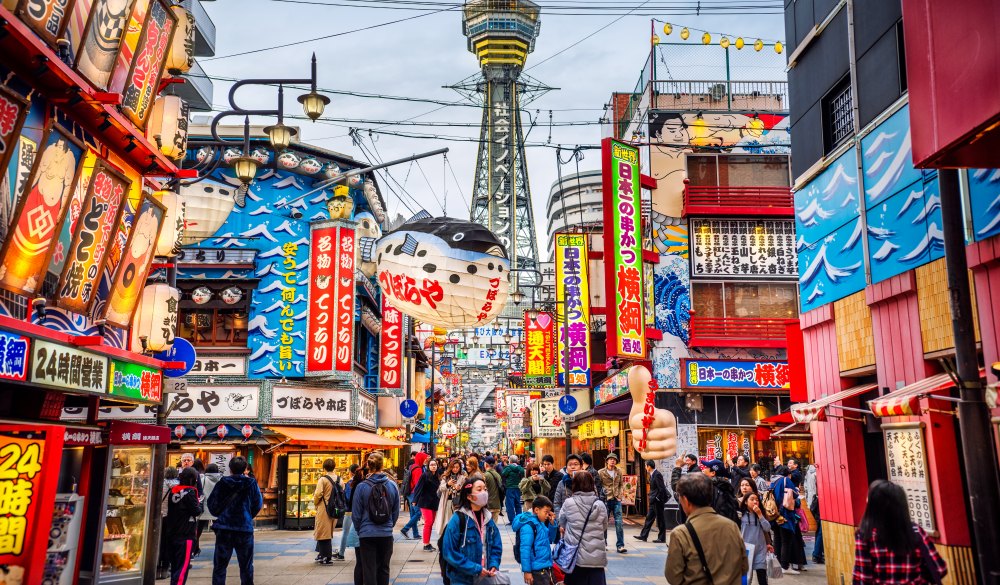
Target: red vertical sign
x=391 y=350
x=344 y=275
x=322 y=295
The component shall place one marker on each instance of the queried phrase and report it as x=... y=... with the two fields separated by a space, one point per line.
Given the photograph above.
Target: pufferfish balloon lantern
x=442 y=271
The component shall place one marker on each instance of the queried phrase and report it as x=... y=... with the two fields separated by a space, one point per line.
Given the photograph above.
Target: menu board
x=907 y=462
x=751 y=248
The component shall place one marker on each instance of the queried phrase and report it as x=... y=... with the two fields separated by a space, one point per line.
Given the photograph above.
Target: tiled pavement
x=287 y=558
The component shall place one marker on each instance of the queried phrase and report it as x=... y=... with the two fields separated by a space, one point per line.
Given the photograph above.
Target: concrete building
x=574 y=203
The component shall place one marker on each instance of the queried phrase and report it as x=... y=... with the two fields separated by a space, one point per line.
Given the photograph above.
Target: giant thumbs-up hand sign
x=654 y=430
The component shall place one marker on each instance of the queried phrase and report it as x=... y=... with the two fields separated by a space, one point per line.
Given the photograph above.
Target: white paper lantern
x=232 y=295
x=169 y=242
x=446 y=272
x=180 y=56
x=168 y=126
x=207 y=204
x=201 y=295
x=155 y=318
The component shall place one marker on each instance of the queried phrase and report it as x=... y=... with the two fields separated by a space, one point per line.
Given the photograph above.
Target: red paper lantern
x=180 y=431
x=247 y=430
x=222 y=431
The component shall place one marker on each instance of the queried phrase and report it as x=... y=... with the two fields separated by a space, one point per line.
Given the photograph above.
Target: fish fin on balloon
x=367 y=246
x=422 y=214
x=241 y=195
x=409 y=245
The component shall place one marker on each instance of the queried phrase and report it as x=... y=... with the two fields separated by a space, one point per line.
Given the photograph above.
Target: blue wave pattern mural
x=831 y=268
x=984 y=199
x=828 y=201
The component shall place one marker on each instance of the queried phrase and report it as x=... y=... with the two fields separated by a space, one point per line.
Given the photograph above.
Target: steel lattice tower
x=501 y=33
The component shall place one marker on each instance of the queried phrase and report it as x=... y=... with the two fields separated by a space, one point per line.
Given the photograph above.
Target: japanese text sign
x=212 y=403
x=48 y=18
x=88 y=249
x=573 y=308
x=539 y=366
x=143 y=78
x=330 y=337
x=907 y=463
x=367 y=411
x=734 y=374
x=135 y=382
x=220 y=366
x=13 y=356
x=547 y=420
x=292 y=403
x=12 y=111
x=623 y=244
x=286 y=318
x=127 y=433
x=612 y=387
x=750 y=248
x=130 y=276
x=391 y=347
x=29 y=470
x=68 y=368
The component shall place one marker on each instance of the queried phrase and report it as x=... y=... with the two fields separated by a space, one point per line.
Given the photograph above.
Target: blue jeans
x=818 y=547
x=226 y=541
x=513 y=503
x=345 y=530
x=615 y=508
x=414 y=518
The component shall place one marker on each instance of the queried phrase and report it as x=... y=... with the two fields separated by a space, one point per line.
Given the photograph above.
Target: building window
x=737 y=170
x=901 y=52
x=839 y=115
x=214 y=327
x=745 y=300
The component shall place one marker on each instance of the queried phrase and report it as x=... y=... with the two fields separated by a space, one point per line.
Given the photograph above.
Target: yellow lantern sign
x=168 y=126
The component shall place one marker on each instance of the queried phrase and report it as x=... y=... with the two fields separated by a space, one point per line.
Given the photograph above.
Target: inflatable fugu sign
x=442 y=271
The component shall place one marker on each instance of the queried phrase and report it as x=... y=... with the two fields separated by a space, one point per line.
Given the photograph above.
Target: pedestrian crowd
x=732 y=520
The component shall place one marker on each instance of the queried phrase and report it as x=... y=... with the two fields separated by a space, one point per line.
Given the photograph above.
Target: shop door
x=875 y=463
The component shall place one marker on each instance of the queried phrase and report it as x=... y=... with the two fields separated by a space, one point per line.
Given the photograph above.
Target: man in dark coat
x=657 y=498
x=683 y=465
x=234 y=502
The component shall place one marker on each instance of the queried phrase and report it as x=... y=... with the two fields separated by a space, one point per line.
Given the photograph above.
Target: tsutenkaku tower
x=501 y=33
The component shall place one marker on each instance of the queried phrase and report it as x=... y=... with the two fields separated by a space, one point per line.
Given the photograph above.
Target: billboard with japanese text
x=329 y=340
x=539 y=349
x=623 y=245
x=573 y=309
x=391 y=347
x=734 y=374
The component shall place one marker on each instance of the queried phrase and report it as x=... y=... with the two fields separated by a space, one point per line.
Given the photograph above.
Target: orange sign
x=130 y=277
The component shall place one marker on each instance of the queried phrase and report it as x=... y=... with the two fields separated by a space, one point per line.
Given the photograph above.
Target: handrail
x=763 y=200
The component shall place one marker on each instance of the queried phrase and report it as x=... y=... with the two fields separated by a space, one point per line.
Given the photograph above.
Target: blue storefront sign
x=734 y=374
x=13 y=356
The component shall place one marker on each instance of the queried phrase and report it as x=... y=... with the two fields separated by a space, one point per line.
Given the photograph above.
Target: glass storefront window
x=736 y=170
x=304 y=470
x=125 y=518
x=218 y=327
x=750 y=299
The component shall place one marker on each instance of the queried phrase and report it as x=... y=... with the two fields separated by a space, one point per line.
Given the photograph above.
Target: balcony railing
x=715 y=200
x=737 y=332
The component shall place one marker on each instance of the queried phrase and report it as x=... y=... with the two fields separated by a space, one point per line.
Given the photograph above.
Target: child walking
x=533 y=545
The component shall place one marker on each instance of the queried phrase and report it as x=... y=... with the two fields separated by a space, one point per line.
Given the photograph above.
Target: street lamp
x=517 y=296
x=245 y=166
x=313 y=104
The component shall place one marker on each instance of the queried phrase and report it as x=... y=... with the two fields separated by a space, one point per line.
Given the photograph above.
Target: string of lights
x=725 y=40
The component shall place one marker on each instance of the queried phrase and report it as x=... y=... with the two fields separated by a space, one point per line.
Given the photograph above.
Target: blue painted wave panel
x=832 y=268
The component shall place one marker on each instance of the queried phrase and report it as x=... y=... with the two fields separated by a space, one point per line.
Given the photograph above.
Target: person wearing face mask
x=471 y=546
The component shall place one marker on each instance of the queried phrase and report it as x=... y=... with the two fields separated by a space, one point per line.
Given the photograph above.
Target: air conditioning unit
x=717 y=92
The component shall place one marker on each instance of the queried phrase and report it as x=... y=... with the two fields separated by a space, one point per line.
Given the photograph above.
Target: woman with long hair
x=426 y=498
x=533 y=485
x=888 y=547
x=583 y=520
x=755 y=529
x=451 y=484
x=180 y=527
x=746 y=486
x=471 y=546
x=348 y=536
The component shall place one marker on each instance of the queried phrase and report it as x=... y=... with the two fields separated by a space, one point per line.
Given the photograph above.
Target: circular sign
x=449 y=429
x=408 y=408
x=567 y=404
x=232 y=295
x=180 y=351
x=201 y=295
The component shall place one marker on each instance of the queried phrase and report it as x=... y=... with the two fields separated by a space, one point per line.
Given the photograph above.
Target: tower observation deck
x=501 y=33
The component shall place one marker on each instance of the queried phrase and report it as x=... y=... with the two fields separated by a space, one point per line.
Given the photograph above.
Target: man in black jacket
x=551 y=475
x=657 y=498
x=684 y=465
x=181 y=523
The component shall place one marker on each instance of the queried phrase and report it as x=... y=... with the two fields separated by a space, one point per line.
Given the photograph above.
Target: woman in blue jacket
x=471 y=526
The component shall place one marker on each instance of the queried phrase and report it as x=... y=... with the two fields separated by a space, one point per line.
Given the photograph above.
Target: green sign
x=623 y=240
x=136 y=382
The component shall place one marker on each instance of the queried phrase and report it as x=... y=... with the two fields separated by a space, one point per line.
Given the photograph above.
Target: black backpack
x=463 y=524
x=725 y=505
x=379 y=506
x=517 y=542
x=336 y=506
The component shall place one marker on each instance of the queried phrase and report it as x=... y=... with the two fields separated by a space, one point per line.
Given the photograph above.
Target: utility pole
x=978 y=453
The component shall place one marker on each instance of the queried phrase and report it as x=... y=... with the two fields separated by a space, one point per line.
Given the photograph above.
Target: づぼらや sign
x=623 y=221
x=292 y=403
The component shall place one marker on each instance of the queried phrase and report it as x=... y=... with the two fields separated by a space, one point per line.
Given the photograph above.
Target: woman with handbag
x=889 y=549
x=471 y=546
x=448 y=492
x=583 y=521
x=791 y=548
x=756 y=530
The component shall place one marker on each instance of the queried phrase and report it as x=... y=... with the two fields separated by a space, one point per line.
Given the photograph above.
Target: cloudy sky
x=586 y=56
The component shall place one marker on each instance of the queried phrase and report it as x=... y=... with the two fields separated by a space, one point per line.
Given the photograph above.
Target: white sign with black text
x=907 y=463
x=291 y=403
x=367 y=411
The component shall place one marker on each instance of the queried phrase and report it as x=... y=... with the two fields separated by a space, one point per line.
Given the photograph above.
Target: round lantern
x=446 y=272
x=232 y=295
x=449 y=429
x=200 y=431
x=201 y=295
x=180 y=431
x=247 y=430
x=180 y=55
x=222 y=431
x=155 y=318
x=168 y=126
x=169 y=242
x=207 y=204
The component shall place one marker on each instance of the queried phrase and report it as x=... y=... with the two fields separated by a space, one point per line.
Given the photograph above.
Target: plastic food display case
x=303 y=470
x=125 y=518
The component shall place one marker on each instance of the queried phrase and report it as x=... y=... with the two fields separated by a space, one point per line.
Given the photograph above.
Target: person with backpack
x=234 y=502
x=471 y=546
x=330 y=505
x=494 y=484
x=426 y=498
x=707 y=549
x=532 y=545
x=374 y=512
x=789 y=543
x=583 y=520
x=891 y=549
x=724 y=502
x=180 y=526
x=512 y=475
x=409 y=485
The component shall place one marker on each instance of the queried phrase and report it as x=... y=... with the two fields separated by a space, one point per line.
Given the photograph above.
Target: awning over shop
x=811 y=411
x=352 y=437
x=617 y=409
x=904 y=400
x=784 y=418
x=766 y=427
